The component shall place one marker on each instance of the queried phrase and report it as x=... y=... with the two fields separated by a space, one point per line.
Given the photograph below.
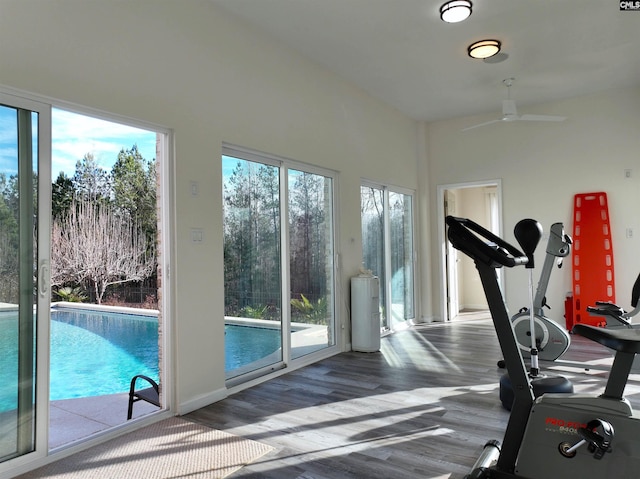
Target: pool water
x=96 y=353
x=246 y=344
x=91 y=353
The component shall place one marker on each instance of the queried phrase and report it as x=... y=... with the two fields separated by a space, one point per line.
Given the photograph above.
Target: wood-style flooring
x=422 y=407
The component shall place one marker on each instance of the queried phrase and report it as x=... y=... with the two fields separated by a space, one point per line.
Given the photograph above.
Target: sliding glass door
x=252 y=266
x=24 y=293
x=311 y=265
x=401 y=256
x=388 y=250
x=278 y=263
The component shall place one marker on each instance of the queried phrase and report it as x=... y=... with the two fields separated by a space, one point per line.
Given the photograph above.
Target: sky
x=73 y=136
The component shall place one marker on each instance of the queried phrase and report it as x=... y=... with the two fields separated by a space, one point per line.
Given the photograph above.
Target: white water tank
x=365 y=313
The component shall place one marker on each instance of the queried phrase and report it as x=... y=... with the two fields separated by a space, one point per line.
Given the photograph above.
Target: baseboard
x=474 y=307
x=201 y=401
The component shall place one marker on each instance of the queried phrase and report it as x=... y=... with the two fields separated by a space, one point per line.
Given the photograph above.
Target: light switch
x=197 y=235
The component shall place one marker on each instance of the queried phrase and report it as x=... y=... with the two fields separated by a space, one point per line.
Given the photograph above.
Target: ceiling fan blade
x=542 y=118
x=510 y=112
x=481 y=124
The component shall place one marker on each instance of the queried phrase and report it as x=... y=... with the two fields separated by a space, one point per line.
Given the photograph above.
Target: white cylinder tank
x=365 y=313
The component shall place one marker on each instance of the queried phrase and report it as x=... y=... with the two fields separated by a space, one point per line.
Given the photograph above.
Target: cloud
x=74 y=135
x=8 y=141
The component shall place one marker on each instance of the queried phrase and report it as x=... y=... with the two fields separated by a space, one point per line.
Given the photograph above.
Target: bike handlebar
x=495 y=252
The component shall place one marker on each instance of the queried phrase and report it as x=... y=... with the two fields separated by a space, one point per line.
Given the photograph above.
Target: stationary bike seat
x=623 y=340
x=606 y=308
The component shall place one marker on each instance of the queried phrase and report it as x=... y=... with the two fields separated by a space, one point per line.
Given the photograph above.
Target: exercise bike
x=528 y=233
x=556 y=435
x=551 y=339
x=614 y=315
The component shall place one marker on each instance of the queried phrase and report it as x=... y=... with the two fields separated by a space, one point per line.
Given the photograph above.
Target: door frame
x=42 y=282
x=443 y=242
x=42 y=455
x=451 y=262
x=386 y=285
x=288 y=361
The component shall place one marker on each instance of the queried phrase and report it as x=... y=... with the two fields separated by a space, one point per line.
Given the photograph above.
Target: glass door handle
x=43 y=281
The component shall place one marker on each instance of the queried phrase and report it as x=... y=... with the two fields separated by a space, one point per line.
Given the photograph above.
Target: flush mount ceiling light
x=484 y=49
x=455 y=11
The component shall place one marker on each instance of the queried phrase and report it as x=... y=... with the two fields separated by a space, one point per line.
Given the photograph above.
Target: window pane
x=106 y=195
x=252 y=272
x=388 y=250
x=373 y=240
x=18 y=194
x=311 y=262
x=401 y=230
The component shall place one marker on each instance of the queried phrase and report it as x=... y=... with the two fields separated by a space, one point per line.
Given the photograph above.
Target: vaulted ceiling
x=400 y=52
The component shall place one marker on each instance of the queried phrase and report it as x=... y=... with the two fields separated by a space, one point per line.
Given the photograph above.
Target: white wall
x=188 y=67
x=543 y=165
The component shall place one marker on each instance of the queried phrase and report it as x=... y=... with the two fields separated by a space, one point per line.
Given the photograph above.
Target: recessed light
x=455 y=11
x=484 y=49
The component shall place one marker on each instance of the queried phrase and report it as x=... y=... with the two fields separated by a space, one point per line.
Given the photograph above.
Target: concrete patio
x=71 y=420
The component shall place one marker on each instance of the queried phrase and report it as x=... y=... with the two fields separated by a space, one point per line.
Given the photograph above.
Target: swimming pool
x=91 y=354
x=246 y=344
x=95 y=353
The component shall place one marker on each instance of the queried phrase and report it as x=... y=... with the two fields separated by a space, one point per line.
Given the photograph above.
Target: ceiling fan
x=510 y=113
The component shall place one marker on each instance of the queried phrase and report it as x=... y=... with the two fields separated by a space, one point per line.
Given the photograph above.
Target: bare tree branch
x=94 y=245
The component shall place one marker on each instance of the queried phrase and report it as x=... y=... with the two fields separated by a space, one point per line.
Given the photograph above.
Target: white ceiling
x=402 y=53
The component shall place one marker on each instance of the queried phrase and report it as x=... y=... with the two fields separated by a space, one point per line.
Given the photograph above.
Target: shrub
x=72 y=295
x=315 y=313
x=254 y=312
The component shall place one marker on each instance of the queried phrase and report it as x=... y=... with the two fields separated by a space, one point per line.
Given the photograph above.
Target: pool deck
x=71 y=420
x=75 y=420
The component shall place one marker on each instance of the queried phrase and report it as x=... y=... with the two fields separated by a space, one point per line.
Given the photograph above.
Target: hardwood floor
x=422 y=407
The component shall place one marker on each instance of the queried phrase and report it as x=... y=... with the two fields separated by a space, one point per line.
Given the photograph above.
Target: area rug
x=169 y=449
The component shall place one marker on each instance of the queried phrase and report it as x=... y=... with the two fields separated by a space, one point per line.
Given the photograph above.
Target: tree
x=251 y=236
x=62 y=193
x=133 y=181
x=9 y=193
x=308 y=246
x=9 y=252
x=9 y=239
x=94 y=246
x=372 y=213
x=91 y=181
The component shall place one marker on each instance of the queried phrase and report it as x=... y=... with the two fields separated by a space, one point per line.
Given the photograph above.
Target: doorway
x=24 y=285
x=107 y=178
x=28 y=200
x=279 y=263
x=388 y=250
x=461 y=292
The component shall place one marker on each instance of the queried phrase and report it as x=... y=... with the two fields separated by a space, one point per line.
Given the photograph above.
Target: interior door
x=24 y=276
